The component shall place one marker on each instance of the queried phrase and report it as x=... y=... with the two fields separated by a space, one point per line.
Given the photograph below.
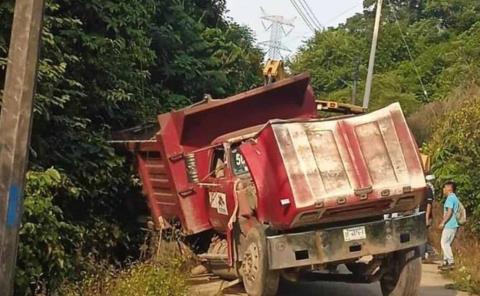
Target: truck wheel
x=403 y=278
x=257 y=278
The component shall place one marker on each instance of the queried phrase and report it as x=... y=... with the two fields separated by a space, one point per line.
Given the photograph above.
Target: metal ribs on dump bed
x=156 y=183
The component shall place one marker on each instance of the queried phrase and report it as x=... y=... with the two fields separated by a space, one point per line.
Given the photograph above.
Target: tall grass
x=148 y=278
x=424 y=121
x=163 y=271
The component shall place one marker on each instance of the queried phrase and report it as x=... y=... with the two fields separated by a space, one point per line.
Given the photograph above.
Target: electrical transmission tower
x=279 y=28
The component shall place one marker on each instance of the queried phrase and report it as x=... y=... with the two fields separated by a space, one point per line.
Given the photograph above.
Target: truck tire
x=403 y=278
x=258 y=280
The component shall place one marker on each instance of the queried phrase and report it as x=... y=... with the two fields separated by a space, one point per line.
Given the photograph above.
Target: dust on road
x=433 y=284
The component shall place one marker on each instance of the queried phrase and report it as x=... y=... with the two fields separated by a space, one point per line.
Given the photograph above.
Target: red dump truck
x=266 y=189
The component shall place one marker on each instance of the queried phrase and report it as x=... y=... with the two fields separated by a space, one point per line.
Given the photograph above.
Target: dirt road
x=433 y=284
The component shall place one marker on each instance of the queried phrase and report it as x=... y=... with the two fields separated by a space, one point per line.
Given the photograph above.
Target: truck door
x=220 y=190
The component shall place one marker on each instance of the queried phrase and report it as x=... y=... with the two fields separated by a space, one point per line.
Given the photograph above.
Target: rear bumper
x=329 y=245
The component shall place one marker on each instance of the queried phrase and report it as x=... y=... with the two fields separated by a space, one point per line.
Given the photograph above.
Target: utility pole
x=15 y=129
x=371 y=64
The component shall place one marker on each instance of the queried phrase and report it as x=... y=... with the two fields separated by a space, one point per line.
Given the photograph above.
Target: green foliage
x=150 y=280
x=142 y=279
x=48 y=242
x=458 y=15
x=326 y=58
x=163 y=273
x=237 y=60
x=442 y=37
x=465 y=280
x=455 y=147
x=194 y=59
x=109 y=65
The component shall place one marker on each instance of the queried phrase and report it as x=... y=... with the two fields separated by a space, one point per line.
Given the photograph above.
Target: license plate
x=355 y=233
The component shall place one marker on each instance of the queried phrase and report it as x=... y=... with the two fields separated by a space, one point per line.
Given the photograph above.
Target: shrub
x=47 y=242
x=163 y=274
x=455 y=147
x=149 y=278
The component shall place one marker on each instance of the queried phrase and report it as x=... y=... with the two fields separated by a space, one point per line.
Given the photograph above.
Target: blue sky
x=328 y=12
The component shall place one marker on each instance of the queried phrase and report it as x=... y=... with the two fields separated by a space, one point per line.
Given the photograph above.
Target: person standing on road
x=427 y=207
x=449 y=224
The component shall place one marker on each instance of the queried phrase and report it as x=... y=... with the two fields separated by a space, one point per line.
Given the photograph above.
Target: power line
x=419 y=77
x=303 y=16
x=329 y=21
x=307 y=15
x=311 y=14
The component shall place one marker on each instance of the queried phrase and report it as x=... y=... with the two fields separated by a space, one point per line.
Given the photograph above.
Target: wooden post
x=15 y=129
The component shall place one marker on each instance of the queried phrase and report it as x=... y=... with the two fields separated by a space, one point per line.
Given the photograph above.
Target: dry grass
x=140 y=279
x=162 y=272
x=466 y=247
x=424 y=120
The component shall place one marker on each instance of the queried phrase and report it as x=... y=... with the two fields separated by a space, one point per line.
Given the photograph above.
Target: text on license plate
x=355 y=233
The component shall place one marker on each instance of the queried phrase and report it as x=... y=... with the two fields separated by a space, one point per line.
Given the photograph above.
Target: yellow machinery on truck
x=274 y=71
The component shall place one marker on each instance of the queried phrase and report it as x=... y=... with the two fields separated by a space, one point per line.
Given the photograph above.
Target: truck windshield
x=239 y=166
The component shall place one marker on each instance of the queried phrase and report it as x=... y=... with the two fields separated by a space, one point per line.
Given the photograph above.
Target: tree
x=426 y=48
x=109 y=65
x=331 y=59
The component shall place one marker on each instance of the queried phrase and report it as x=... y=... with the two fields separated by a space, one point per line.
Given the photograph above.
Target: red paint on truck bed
x=192 y=130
